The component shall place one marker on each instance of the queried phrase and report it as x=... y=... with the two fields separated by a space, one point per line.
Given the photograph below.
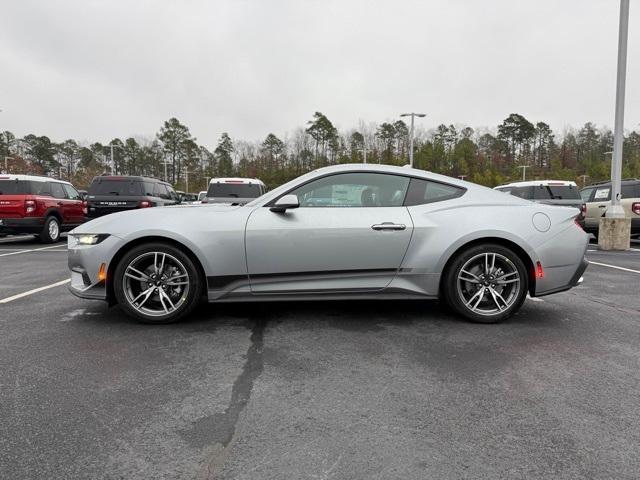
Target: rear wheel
x=486 y=283
x=157 y=283
x=50 y=230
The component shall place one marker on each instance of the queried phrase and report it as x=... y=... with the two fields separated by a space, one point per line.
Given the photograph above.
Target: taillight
x=84 y=208
x=583 y=210
x=30 y=206
x=144 y=204
x=635 y=208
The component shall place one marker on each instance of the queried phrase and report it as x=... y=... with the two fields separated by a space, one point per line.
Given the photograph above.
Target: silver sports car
x=342 y=232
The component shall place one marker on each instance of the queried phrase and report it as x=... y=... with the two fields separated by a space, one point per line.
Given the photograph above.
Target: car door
x=597 y=207
x=62 y=203
x=74 y=205
x=350 y=233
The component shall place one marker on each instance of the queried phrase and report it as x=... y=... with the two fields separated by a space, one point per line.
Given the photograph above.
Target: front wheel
x=486 y=283
x=157 y=283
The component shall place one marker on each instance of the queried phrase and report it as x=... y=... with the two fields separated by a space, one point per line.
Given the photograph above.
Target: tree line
x=484 y=156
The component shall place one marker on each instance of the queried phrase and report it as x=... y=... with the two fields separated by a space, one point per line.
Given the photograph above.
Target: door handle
x=388 y=226
x=602 y=206
x=60 y=204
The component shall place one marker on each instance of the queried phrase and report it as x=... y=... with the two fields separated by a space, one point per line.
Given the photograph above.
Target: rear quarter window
x=424 y=191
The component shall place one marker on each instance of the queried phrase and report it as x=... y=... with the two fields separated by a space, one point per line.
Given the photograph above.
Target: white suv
x=234 y=191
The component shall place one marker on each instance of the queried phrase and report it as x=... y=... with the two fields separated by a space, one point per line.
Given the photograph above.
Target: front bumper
x=84 y=262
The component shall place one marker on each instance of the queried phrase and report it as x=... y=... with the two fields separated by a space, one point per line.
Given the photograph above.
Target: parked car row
x=592 y=201
x=47 y=207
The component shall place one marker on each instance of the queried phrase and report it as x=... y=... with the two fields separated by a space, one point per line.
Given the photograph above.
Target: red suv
x=39 y=205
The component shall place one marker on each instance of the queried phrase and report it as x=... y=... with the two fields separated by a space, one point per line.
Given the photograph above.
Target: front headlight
x=89 y=238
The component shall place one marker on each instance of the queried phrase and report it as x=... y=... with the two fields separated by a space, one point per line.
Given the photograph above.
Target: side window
x=630 y=191
x=586 y=194
x=522 y=192
x=172 y=193
x=354 y=190
x=57 y=191
x=72 y=193
x=602 y=194
x=148 y=188
x=41 y=188
x=424 y=191
x=160 y=190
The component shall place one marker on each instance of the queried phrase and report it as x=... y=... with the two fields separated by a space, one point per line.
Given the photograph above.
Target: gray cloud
x=93 y=70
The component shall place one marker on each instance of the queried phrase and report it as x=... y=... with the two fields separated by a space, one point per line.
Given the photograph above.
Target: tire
x=50 y=230
x=480 y=296
x=157 y=283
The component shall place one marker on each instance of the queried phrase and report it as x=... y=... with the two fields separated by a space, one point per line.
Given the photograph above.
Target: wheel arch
x=121 y=252
x=510 y=244
x=54 y=212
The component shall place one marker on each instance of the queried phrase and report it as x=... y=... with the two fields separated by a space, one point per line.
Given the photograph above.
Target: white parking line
x=614 y=266
x=35 y=290
x=28 y=250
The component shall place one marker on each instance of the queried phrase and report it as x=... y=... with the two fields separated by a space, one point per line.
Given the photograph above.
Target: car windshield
x=234 y=190
x=14 y=187
x=117 y=187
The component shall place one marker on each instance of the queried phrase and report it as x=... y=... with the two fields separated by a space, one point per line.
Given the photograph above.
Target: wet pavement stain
x=220 y=428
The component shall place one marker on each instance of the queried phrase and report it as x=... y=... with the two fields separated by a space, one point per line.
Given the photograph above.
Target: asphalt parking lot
x=362 y=390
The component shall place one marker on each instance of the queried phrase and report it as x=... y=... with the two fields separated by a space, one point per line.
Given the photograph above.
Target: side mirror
x=285 y=203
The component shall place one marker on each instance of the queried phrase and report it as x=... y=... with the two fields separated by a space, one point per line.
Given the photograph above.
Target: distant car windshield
x=14 y=187
x=234 y=190
x=115 y=187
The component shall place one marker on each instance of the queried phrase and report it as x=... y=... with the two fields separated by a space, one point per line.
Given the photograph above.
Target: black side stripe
x=222 y=281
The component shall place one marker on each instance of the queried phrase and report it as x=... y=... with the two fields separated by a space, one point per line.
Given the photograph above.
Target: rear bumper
x=575 y=280
x=21 y=225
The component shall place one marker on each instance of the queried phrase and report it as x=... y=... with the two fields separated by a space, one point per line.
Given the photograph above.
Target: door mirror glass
x=286 y=202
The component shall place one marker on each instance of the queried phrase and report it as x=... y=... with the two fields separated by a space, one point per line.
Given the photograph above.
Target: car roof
x=32 y=178
x=137 y=178
x=606 y=183
x=248 y=181
x=543 y=183
x=405 y=170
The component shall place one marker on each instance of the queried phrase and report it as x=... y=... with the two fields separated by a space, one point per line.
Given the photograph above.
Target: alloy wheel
x=488 y=284
x=156 y=284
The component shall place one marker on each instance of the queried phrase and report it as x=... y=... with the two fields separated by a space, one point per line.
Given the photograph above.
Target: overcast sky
x=94 y=70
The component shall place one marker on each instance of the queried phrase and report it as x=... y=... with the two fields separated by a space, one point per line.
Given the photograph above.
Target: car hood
x=124 y=223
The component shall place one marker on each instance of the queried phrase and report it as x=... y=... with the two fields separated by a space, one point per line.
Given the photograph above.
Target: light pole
x=6 y=165
x=412 y=115
x=113 y=164
x=524 y=171
x=165 y=163
x=364 y=152
x=616 y=210
x=584 y=179
x=186 y=180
